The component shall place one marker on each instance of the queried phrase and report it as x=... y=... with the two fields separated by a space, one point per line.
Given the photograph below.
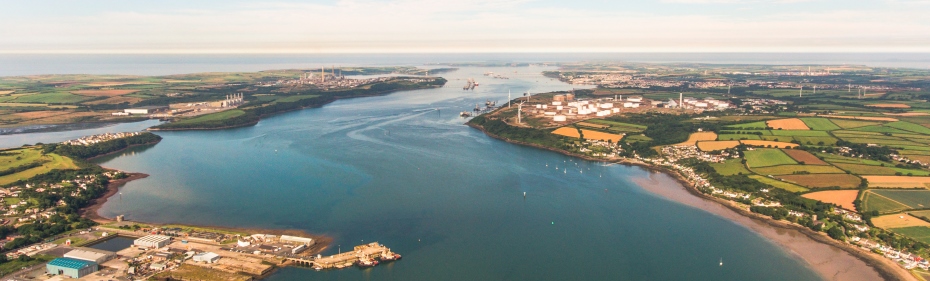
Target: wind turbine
x=520 y=113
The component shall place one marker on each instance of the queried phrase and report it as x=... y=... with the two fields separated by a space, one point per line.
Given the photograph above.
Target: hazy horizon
x=480 y=26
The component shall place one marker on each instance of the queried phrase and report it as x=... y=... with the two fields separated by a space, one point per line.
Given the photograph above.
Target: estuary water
x=403 y=170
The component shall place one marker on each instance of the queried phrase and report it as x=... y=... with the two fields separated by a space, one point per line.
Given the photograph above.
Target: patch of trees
x=871 y=152
x=530 y=135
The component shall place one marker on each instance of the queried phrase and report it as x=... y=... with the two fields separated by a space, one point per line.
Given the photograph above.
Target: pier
x=363 y=255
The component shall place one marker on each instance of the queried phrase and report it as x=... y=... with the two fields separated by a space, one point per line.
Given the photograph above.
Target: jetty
x=362 y=255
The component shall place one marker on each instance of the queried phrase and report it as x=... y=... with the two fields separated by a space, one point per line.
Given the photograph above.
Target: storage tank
x=559 y=118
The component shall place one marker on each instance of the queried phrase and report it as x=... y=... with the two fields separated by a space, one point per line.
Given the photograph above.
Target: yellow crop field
x=787 y=124
x=842 y=198
x=766 y=143
x=898 y=220
x=898 y=181
x=699 y=136
x=716 y=145
x=588 y=134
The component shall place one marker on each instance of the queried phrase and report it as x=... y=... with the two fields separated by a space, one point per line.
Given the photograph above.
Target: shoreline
x=113 y=187
x=885 y=268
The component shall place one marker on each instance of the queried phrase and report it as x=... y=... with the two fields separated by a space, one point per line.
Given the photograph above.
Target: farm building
x=73 y=268
x=93 y=255
x=152 y=241
x=207 y=257
x=146 y=109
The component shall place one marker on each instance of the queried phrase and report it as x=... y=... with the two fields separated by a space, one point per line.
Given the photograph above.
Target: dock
x=363 y=255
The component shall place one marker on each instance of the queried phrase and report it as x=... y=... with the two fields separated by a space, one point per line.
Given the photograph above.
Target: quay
x=362 y=255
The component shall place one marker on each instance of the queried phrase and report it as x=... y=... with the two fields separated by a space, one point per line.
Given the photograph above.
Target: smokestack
x=323 y=74
x=681 y=100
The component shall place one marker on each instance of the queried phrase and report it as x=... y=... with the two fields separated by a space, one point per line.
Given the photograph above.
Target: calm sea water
x=403 y=170
x=20 y=64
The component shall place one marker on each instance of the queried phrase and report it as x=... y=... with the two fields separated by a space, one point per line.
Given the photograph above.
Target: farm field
x=636 y=138
x=898 y=221
x=860 y=169
x=592 y=125
x=842 y=198
x=877 y=202
x=49 y=162
x=698 y=136
x=724 y=137
x=897 y=181
x=888 y=105
x=765 y=157
x=787 y=124
x=819 y=124
x=800 y=133
x=908 y=126
x=824 y=180
x=793 y=169
x=619 y=127
x=804 y=156
x=57 y=98
x=588 y=134
x=816 y=140
x=849 y=124
x=780 y=184
x=730 y=167
x=866 y=118
x=919 y=233
x=765 y=143
x=103 y=93
x=716 y=145
x=213 y=116
x=914 y=199
x=752 y=125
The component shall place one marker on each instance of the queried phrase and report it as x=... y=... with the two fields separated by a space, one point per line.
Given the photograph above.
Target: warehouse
x=93 y=255
x=297 y=240
x=146 y=109
x=73 y=268
x=207 y=257
x=152 y=241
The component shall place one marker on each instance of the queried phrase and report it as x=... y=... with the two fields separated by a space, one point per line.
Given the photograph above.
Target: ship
x=464 y=114
x=390 y=257
x=363 y=263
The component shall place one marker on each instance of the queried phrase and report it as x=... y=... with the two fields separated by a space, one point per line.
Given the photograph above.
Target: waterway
x=403 y=170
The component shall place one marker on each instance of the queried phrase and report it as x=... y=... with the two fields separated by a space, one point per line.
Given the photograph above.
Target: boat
x=464 y=114
x=390 y=257
x=367 y=263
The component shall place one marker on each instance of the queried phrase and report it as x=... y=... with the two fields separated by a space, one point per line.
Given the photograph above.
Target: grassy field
x=730 y=167
x=908 y=126
x=881 y=129
x=919 y=233
x=816 y=140
x=636 y=138
x=860 y=169
x=842 y=198
x=752 y=125
x=725 y=137
x=294 y=98
x=49 y=162
x=193 y=272
x=819 y=124
x=824 y=180
x=800 y=133
x=780 y=184
x=213 y=116
x=804 y=157
x=873 y=202
x=57 y=97
x=698 y=136
x=765 y=157
x=14 y=265
x=792 y=169
x=914 y=199
x=849 y=124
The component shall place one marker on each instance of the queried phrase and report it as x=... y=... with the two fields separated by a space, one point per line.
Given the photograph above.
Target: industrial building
x=73 y=268
x=152 y=241
x=296 y=240
x=208 y=257
x=92 y=255
x=146 y=109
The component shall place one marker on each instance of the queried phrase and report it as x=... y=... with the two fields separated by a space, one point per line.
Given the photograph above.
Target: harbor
x=367 y=255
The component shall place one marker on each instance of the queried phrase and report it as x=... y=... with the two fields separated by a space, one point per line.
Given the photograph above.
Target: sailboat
x=721 y=261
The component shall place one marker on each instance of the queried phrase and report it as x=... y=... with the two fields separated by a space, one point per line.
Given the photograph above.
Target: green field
x=293 y=98
x=881 y=129
x=919 y=233
x=29 y=156
x=791 y=169
x=213 y=116
x=636 y=138
x=910 y=172
x=618 y=127
x=779 y=184
x=862 y=169
x=765 y=157
x=57 y=97
x=816 y=140
x=873 y=202
x=752 y=125
x=913 y=199
x=819 y=124
x=737 y=137
x=730 y=167
x=908 y=126
x=849 y=124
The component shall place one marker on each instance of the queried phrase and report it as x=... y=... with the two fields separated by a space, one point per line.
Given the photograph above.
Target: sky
x=458 y=26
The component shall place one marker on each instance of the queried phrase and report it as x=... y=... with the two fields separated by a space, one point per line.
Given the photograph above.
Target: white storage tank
x=556 y=103
x=558 y=107
x=549 y=113
x=559 y=118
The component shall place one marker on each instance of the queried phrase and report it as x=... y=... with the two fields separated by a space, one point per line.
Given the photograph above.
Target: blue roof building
x=74 y=268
